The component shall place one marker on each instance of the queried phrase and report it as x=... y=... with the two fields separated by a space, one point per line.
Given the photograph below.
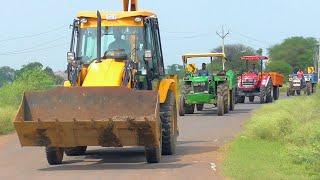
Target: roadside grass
x=280 y=141
x=6 y=115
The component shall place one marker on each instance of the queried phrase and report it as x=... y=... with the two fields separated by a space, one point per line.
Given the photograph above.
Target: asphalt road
x=197 y=157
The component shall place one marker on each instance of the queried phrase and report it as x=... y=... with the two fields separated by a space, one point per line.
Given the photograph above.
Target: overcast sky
x=34 y=30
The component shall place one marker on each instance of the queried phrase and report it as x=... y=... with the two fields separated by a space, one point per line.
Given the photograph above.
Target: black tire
x=188 y=108
x=76 y=151
x=298 y=92
x=276 y=92
x=269 y=90
x=288 y=93
x=168 y=115
x=181 y=106
x=309 y=88
x=220 y=100
x=314 y=88
x=241 y=99
x=251 y=98
x=232 y=99
x=153 y=154
x=226 y=98
x=54 y=155
x=262 y=95
x=199 y=107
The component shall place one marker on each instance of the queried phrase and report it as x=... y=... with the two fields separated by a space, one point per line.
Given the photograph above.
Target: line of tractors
x=117 y=93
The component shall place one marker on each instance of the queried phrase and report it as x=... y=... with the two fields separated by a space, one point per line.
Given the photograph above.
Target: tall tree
x=233 y=53
x=6 y=75
x=296 y=51
x=175 y=69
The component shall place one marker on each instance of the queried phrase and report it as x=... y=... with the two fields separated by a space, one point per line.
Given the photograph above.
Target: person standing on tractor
x=300 y=75
x=203 y=71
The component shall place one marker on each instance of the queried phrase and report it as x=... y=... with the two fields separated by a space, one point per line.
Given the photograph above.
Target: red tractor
x=255 y=82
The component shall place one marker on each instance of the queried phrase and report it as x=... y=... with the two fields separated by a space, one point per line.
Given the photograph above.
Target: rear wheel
x=168 y=115
x=54 y=155
x=262 y=95
x=298 y=92
x=269 y=90
x=276 y=92
x=232 y=99
x=153 y=154
x=76 y=151
x=199 y=107
x=220 y=100
x=181 y=106
x=309 y=88
x=226 y=98
x=251 y=98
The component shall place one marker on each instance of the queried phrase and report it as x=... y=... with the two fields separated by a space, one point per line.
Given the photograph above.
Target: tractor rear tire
x=226 y=98
x=241 y=99
x=220 y=100
x=181 y=106
x=168 y=116
x=269 y=90
x=298 y=92
x=262 y=95
x=199 y=107
x=276 y=92
x=153 y=154
x=76 y=151
x=232 y=99
x=54 y=155
x=309 y=89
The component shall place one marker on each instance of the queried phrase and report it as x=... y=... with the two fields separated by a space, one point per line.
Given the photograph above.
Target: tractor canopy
x=254 y=58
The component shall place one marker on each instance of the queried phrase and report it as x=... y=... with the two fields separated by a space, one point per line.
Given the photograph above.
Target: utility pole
x=222 y=35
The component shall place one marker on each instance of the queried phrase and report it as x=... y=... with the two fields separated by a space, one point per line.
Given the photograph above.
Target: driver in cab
x=119 y=43
x=203 y=71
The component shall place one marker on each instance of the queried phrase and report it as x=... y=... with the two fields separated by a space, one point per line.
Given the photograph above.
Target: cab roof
x=201 y=55
x=117 y=15
x=254 y=58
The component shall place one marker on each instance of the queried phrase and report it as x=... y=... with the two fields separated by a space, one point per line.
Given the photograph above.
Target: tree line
x=287 y=57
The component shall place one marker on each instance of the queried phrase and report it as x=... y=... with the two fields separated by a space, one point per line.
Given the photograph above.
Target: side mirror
x=71 y=56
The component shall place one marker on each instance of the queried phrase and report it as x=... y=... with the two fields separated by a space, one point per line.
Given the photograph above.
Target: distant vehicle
x=199 y=89
x=255 y=82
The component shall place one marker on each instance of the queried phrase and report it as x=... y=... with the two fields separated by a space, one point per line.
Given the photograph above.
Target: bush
x=6 y=115
x=295 y=122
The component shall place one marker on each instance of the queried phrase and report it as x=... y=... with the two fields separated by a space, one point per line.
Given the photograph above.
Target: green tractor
x=201 y=87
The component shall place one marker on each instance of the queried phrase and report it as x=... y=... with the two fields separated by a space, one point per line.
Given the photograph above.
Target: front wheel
x=241 y=99
x=168 y=116
x=199 y=107
x=181 y=106
x=54 y=155
x=251 y=98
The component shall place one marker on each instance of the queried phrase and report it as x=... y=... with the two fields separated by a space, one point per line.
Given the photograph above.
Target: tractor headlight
x=290 y=79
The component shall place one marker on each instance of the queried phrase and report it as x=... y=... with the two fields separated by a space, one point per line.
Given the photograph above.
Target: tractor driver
x=203 y=71
x=119 y=43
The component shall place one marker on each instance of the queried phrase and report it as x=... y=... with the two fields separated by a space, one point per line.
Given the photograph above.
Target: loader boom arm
x=130 y=5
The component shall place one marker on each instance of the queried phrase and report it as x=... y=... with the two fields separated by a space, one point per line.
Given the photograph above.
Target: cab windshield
x=128 y=39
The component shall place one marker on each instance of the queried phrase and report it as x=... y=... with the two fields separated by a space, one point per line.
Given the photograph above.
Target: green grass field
x=280 y=141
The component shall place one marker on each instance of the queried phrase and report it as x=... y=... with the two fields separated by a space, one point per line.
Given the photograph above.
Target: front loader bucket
x=89 y=116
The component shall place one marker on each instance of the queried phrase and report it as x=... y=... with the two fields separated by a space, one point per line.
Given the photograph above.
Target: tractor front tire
x=168 y=115
x=220 y=100
x=54 y=155
x=298 y=92
x=309 y=89
x=76 y=151
x=251 y=98
x=241 y=99
x=199 y=107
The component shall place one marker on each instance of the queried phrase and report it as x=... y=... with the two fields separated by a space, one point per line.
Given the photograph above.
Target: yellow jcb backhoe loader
x=117 y=93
